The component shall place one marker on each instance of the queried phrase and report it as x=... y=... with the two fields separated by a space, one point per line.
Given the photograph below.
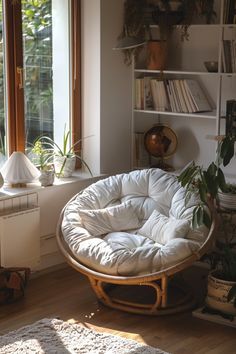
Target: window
x=39 y=69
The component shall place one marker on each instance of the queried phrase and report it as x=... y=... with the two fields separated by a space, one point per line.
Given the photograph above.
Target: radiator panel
x=20 y=238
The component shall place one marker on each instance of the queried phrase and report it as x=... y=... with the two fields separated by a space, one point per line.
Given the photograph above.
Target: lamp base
x=18 y=185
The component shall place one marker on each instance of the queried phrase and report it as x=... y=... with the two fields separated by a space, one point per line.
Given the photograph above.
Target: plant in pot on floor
x=140 y=16
x=43 y=159
x=207 y=183
x=64 y=157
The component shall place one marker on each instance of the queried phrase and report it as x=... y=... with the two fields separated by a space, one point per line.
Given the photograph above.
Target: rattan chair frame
x=158 y=281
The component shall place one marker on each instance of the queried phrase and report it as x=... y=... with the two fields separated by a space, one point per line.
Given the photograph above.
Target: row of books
x=229 y=15
x=175 y=95
x=229 y=55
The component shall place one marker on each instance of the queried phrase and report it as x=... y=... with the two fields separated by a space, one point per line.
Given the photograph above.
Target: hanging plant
x=140 y=15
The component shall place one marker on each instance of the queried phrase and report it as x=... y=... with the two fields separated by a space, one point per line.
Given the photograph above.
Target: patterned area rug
x=53 y=336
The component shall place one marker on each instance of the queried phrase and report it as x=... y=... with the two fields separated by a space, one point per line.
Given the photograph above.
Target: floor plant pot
x=227 y=200
x=47 y=178
x=156 y=55
x=64 y=166
x=217 y=292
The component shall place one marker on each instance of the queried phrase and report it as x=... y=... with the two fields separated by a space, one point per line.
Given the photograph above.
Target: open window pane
x=47 y=67
x=37 y=49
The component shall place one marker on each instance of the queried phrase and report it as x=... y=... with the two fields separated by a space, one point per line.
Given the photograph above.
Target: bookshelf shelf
x=208 y=115
x=177 y=72
x=185 y=62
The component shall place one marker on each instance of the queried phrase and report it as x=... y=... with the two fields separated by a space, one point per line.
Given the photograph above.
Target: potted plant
x=221 y=289
x=64 y=158
x=208 y=183
x=139 y=16
x=43 y=159
x=227 y=194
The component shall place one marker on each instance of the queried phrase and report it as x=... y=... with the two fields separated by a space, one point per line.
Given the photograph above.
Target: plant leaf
x=206 y=219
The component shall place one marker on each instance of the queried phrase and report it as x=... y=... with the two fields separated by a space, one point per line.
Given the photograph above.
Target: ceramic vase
x=46 y=178
x=64 y=166
x=217 y=292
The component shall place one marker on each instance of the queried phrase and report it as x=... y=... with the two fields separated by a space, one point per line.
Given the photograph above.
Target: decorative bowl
x=211 y=66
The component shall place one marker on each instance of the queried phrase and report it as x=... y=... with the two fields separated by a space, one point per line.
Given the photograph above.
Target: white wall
x=116 y=93
x=106 y=87
x=91 y=76
x=61 y=68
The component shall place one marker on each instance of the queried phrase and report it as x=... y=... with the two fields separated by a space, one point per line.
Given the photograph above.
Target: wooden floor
x=67 y=294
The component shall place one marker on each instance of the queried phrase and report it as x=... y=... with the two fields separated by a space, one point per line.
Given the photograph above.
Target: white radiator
x=20 y=237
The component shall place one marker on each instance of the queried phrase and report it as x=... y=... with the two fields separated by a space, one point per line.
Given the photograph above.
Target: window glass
x=37 y=52
x=46 y=53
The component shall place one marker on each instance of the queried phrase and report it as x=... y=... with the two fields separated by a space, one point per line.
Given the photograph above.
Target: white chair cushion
x=161 y=229
x=117 y=218
x=128 y=253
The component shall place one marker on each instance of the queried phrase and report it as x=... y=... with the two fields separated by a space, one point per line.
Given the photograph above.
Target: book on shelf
x=229 y=55
x=160 y=95
x=230 y=117
x=141 y=157
x=229 y=14
x=148 y=100
x=198 y=96
x=170 y=95
x=139 y=96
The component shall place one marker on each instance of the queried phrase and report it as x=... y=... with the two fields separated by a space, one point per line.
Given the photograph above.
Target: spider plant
x=67 y=151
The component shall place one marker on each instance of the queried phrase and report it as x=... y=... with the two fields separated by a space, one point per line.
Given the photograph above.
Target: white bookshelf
x=186 y=60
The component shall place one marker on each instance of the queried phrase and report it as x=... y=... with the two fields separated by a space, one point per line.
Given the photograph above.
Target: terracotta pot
x=217 y=292
x=156 y=55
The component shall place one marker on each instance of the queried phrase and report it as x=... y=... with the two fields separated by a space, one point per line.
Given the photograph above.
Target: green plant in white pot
x=64 y=157
x=43 y=159
x=209 y=183
x=227 y=194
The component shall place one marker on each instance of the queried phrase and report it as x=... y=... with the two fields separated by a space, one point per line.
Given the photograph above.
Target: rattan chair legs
x=161 y=304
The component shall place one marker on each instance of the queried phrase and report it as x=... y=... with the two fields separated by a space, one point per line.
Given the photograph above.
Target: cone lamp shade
x=18 y=169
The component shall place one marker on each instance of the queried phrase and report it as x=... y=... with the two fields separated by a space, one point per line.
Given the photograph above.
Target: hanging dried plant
x=139 y=15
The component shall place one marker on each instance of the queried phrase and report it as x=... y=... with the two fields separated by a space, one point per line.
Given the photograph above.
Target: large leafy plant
x=206 y=182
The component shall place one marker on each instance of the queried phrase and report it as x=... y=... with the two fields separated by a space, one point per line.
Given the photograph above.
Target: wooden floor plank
x=67 y=294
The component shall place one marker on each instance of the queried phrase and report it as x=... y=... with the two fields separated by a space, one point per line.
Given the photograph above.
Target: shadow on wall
x=188 y=146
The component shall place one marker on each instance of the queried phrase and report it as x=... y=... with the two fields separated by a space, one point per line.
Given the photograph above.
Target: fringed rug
x=53 y=336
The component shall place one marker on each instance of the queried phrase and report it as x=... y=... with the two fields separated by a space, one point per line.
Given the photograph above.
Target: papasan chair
x=133 y=231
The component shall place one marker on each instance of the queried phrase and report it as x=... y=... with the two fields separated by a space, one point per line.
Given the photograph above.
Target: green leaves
x=200 y=217
x=227 y=149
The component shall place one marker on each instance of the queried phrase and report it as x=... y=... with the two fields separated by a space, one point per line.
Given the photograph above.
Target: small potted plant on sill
x=64 y=158
x=208 y=184
x=43 y=159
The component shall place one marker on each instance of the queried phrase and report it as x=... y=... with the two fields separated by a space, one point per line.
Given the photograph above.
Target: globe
x=161 y=142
